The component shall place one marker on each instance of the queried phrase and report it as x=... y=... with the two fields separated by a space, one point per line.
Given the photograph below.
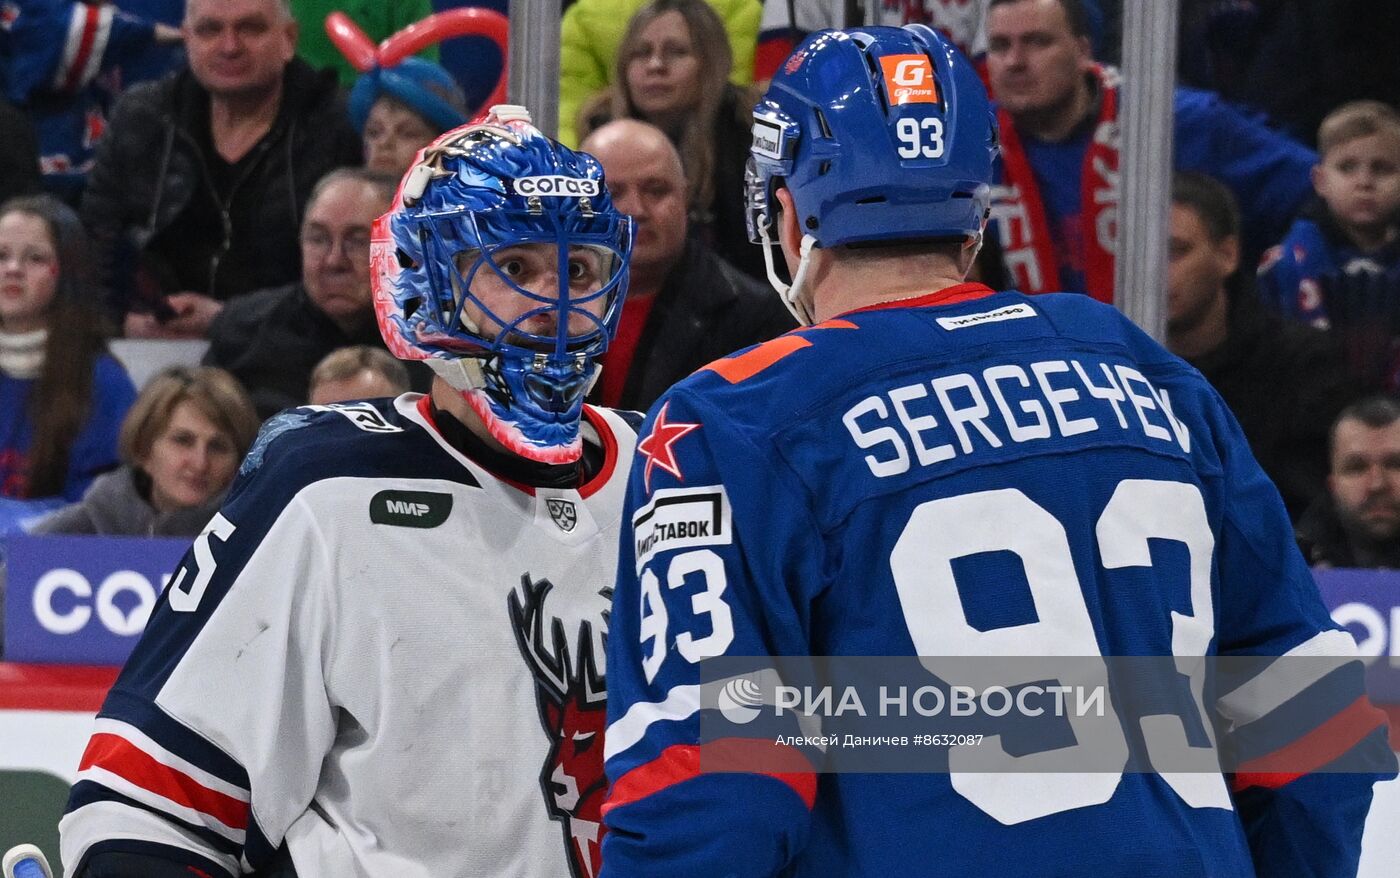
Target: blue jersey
x=965 y=474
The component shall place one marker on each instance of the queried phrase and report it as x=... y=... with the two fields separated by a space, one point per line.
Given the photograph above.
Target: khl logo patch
x=564 y=513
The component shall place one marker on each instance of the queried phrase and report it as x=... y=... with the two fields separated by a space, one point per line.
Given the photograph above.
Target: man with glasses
x=272 y=339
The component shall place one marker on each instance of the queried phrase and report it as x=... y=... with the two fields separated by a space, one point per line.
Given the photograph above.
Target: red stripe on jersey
x=605 y=433
x=1322 y=745
x=80 y=61
x=683 y=762
x=127 y=761
x=947 y=296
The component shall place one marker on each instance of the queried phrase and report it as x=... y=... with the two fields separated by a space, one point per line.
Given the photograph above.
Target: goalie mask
x=503 y=265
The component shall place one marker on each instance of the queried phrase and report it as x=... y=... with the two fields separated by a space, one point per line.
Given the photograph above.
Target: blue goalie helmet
x=880 y=134
x=503 y=264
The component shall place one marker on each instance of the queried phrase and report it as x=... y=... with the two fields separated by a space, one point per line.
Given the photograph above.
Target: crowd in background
x=209 y=171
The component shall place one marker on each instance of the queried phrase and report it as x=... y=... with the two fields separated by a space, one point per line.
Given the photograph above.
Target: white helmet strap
x=463 y=373
x=790 y=294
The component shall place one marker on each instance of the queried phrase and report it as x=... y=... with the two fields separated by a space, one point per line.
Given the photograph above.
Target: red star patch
x=658 y=448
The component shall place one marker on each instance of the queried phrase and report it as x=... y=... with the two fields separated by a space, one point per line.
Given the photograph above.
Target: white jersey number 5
x=185 y=599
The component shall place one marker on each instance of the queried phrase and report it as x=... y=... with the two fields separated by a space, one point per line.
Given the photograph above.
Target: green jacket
x=379 y=19
x=592 y=30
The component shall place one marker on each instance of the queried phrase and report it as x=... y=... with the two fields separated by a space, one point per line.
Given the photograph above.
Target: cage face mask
x=503 y=264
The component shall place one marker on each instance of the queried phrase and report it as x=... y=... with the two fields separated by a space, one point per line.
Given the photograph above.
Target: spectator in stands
x=1357 y=524
x=358 y=372
x=204 y=174
x=63 y=63
x=1284 y=381
x=272 y=339
x=784 y=24
x=685 y=305
x=401 y=109
x=671 y=71
x=180 y=446
x=1339 y=265
x=591 y=36
x=62 y=396
x=377 y=18
x=1058 y=116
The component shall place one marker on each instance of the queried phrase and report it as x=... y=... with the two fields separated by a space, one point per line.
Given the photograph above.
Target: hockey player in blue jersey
x=384 y=655
x=931 y=468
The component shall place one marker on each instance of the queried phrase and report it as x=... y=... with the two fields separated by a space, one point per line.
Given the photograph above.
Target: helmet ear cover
x=477 y=192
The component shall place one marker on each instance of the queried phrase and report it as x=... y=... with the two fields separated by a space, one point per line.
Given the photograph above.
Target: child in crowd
x=62 y=396
x=1339 y=265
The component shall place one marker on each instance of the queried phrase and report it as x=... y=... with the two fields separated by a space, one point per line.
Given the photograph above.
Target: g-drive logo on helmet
x=556 y=186
x=909 y=79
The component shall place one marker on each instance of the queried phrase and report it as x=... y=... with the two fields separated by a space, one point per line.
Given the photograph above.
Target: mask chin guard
x=511 y=425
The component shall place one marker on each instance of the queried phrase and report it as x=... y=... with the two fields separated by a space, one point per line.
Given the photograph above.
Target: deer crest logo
x=572 y=698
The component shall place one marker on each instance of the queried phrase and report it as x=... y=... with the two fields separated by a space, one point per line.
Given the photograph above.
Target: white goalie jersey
x=378 y=653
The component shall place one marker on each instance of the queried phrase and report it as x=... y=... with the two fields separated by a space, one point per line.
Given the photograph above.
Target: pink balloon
x=461 y=22
x=352 y=42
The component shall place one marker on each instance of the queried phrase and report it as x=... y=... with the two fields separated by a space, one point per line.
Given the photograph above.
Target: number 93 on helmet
x=881 y=135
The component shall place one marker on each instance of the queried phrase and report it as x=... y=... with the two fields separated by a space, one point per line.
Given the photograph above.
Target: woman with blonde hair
x=672 y=70
x=180 y=447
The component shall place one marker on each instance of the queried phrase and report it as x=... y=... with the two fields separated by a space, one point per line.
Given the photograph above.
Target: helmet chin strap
x=791 y=295
x=463 y=373
x=975 y=246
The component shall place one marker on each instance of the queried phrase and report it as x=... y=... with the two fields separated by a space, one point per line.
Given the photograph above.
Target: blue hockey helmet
x=503 y=264
x=880 y=134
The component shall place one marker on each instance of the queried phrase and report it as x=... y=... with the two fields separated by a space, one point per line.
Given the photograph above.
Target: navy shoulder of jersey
x=370 y=439
x=630 y=418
